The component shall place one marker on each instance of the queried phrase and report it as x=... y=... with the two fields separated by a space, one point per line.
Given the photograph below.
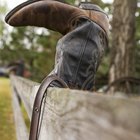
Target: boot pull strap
x=38 y=103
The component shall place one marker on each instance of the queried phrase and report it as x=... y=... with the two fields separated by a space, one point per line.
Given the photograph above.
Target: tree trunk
x=123 y=41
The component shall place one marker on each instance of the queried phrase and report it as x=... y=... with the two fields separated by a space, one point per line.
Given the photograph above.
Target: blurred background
x=30 y=51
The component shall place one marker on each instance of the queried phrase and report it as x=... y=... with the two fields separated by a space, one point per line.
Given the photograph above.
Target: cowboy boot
x=75 y=23
x=54 y=15
x=78 y=53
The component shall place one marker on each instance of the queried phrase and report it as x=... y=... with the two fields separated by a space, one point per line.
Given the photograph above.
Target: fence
x=76 y=115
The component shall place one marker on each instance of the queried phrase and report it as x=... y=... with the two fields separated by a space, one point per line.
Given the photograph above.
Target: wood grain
x=80 y=115
x=26 y=89
x=21 y=129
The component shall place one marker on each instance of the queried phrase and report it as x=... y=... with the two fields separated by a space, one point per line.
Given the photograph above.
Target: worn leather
x=54 y=15
x=79 y=53
x=97 y=15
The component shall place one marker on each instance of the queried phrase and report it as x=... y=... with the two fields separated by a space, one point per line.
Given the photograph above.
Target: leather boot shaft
x=78 y=55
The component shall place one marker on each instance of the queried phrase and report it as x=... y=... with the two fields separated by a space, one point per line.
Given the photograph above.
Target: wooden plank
x=21 y=130
x=26 y=89
x=78 y=115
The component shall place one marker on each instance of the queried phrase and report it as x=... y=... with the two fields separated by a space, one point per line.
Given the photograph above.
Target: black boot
x=79 y=53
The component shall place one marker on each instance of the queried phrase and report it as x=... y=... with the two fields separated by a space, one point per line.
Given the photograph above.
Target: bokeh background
x=34 y=49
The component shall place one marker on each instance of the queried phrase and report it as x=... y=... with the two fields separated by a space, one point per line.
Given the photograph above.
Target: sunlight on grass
x=7 y=130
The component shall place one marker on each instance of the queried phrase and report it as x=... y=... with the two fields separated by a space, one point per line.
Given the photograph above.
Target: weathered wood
x=21 y=129
x=26 y=89
x=78 y=115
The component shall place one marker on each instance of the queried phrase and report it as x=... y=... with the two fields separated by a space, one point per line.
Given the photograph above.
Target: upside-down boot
x=79 y=51
x=72 y=22
x=53 y=15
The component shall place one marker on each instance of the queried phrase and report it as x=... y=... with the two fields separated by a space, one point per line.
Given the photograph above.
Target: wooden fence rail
x=77 y=115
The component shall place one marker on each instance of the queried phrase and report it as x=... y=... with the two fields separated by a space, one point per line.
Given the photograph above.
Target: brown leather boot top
x=96 y=14
x=54 y=15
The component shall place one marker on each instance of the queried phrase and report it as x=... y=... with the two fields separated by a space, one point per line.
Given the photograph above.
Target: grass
x=7 y=128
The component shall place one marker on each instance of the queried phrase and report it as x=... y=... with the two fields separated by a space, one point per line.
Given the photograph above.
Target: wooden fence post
x=80 y=115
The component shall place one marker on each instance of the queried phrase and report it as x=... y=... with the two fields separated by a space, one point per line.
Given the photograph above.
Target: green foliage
x=2 y=11
x=70 y=1
x=36 y=49
x=137 y=50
